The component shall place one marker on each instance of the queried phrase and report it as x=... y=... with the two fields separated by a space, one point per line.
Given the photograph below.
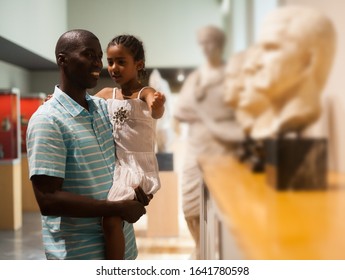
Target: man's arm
x=55 y=202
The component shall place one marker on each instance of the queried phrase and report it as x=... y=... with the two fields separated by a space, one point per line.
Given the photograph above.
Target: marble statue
x=212 y=128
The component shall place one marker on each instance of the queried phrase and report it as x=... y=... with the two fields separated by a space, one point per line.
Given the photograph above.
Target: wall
x=44 y=81
x=243 y=20
x=166 y=27
x=33 y=24
x=13 y=76
x=260 y=9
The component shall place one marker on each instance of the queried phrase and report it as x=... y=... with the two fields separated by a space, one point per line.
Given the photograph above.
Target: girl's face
x=121 y=65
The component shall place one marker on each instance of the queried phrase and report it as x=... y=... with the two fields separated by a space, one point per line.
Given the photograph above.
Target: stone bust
x=239 y=94
x=289 y=66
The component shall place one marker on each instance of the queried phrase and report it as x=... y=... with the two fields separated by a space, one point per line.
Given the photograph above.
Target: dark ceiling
x=17 y=55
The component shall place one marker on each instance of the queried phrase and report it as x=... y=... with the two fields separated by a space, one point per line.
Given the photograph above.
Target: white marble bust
x=290 y=65
x=239 y=93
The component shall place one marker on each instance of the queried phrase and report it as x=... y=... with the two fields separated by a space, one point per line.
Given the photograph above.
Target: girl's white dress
x=134 y=134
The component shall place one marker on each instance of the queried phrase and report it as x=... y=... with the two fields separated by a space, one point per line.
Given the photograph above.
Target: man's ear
x=61 y=59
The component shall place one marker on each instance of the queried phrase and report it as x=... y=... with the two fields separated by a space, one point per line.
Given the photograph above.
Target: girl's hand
x=158 y=100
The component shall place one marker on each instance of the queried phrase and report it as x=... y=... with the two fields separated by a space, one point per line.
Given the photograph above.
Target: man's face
x=85 y=64
x=277 y=63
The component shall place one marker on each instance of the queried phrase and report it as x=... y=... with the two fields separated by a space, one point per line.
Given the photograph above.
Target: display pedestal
x=162 y=212
x=28 y=196
x=296 y=164
x=10 y=195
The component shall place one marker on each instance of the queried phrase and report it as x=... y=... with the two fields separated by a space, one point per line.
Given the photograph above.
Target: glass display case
x=9 y=124
x=28 y=105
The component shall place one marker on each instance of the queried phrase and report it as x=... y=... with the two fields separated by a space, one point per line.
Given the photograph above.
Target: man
x=71 y=158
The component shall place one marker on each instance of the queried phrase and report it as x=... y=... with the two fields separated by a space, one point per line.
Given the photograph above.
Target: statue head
x=212 y=40
x=292 y=59
x=239 y=93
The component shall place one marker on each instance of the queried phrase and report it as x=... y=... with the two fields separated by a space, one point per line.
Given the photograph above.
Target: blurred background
x=28 y=34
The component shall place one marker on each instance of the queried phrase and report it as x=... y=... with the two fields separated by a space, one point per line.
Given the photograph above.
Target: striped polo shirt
x=67 y=141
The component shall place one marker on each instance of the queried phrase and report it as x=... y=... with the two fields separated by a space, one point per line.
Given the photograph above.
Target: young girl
x=132 y=111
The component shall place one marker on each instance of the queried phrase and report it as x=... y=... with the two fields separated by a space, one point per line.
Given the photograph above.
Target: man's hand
x=49 y=96
x=142 y=197
x=131 y=210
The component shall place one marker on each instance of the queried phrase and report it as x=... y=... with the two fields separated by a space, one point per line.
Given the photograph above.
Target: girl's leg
x=114 y=238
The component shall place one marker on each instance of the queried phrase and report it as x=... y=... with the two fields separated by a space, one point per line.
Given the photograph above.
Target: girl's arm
x=155 y=100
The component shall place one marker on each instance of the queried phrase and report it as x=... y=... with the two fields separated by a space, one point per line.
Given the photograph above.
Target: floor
x=165 y=248
x=24 y=243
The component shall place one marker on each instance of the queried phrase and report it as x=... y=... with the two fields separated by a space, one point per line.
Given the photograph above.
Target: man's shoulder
x=101 y=105
x=105 y=93
x=48 y=111
x=99 y=101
